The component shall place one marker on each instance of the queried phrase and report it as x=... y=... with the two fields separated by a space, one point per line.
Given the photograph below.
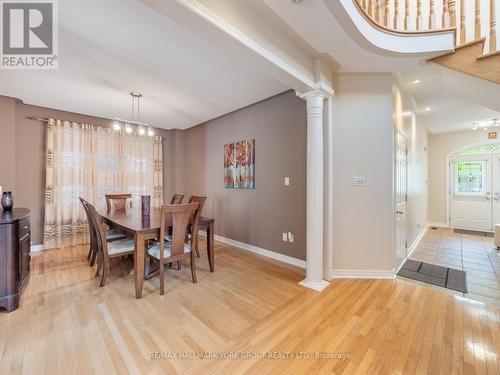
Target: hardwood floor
x=249 y=307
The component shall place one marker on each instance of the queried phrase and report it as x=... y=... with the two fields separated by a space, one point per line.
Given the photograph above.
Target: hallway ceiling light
x=428 y=109
x=416 y=82
x=485 y=124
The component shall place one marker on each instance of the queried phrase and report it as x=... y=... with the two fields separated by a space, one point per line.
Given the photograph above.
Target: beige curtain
x=88 y=161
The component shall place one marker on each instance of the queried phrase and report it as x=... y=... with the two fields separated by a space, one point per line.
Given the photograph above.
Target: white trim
x=413 y=246
x=363 y=274
x=36 y=248
x=439 y=225
x=315 y=286
x=415 y=242
x=400 y=266
x=260 y=251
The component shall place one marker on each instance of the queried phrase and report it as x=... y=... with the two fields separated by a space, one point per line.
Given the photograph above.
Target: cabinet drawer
x=24 y=228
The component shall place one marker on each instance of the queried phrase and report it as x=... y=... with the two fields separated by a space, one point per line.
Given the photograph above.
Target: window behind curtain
x=87 y=161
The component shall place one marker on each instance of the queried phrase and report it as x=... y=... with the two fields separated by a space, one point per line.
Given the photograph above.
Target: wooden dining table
x=141 y=228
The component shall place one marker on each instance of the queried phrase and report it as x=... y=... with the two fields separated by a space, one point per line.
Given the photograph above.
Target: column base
x=315 y=286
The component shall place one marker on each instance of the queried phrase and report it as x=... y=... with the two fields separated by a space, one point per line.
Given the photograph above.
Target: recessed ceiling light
x=416 y=82
x=428 y=109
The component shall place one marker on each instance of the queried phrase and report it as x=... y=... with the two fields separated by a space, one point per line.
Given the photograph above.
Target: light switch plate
x=285 y=237
x=287 y=181
x=358 y=181
x=291 y=237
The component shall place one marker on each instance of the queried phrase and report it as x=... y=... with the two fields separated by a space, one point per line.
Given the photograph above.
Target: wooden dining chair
x=201 y=200
x=111 y=235
x=117 y=201
x=107 y=250
x=192 y=199
x=176 y=250
x=177 y=199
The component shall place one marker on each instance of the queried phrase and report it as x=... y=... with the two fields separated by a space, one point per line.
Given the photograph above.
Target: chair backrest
x=100 y=234
x=199 y=199
x=85 y=205
x=117 y=201
x=177 y=199
x=179 y=216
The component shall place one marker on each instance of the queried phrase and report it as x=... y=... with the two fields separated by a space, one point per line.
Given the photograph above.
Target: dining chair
x=177 y=199
x=178 y=249
x=201 y=200
x=111 y=235
x=192 y=199
x=107 y=250
x=117 y=201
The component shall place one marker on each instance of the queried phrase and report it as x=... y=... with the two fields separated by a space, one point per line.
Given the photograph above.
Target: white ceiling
x=456 y=99
x=109 y=48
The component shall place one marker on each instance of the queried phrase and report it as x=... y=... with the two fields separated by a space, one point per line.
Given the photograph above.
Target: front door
x=401 y=188
x=470 y=192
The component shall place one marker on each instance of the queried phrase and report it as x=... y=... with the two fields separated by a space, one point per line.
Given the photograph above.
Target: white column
x=314 y=240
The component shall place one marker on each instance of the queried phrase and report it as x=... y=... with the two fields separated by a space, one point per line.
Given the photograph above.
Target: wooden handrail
x=428 y=17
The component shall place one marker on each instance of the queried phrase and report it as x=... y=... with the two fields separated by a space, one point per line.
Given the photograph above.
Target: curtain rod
x=44 y=119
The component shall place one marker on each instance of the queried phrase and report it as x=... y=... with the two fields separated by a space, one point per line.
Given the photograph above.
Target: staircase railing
x=471 y=19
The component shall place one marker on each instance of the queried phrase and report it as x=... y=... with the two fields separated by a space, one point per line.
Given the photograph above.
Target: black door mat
x=474 y=232
x=436 y=275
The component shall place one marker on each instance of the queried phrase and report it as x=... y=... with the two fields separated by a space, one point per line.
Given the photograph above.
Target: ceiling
x=110 y=48
x=455 y=99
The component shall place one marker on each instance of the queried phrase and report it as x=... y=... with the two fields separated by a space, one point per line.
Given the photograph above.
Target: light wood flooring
x=250 y=307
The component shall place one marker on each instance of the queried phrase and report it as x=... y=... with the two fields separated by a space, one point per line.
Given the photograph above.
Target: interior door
x=401 y=188
x=470 y=192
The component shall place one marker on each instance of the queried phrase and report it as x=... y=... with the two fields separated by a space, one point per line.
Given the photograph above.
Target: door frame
x=394 y=194
x=449 y=156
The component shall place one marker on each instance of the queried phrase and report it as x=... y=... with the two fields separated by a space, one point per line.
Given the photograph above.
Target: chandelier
x=129 y=125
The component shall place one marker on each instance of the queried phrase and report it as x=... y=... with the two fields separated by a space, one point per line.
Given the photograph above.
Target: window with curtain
x=87 y=161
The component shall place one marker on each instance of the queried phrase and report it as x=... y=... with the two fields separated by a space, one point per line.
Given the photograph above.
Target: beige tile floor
x=475 y=254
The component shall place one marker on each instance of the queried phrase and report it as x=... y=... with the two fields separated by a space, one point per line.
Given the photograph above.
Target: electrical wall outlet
x=291 y=237
x=285 y=237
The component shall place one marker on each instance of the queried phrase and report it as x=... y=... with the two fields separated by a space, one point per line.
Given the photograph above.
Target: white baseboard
x=363 y=274
x=36 y=248
x=439 y=225
x=315 y=286
x=417 y=240
x=258 y=250
x=413 y=246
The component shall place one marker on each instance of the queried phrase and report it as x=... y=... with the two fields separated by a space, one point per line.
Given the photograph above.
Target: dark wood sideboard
x=15 y=245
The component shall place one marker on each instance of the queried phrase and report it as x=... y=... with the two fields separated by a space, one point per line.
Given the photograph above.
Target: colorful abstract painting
x=239 y=165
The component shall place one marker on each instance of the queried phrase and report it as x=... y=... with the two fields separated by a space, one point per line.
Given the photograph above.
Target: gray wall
x=255 y=216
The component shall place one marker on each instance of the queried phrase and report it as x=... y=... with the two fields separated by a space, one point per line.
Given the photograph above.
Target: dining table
x=141 y=228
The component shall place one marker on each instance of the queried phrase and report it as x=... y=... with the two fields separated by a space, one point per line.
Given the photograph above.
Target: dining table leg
x=210 y=246
x=139 y=265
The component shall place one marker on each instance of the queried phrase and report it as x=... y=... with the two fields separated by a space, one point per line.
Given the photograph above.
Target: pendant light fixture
x=118 y=123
